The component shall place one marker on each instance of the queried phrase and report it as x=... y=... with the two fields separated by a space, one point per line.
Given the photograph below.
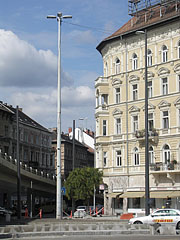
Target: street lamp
x=59 y=18
x=147 y=198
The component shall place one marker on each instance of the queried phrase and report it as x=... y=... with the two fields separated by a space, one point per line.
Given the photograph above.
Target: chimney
x=69 y=130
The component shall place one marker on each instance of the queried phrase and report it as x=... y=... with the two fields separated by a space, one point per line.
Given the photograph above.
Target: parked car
x=81 y=208
x=161 y=216
x=4 y=211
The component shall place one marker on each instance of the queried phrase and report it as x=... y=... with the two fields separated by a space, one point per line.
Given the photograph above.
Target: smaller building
x=84 y=156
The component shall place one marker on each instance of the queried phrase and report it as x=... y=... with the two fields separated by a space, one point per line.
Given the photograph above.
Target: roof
x=23 y=118
x=144 y=20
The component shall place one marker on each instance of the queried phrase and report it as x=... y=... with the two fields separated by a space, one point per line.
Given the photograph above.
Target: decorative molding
x=177 y=68
x=117 y=111
x=163 y=71
x=116 y=81
x=163 y=104
x=149 y=75
x=133 y=78
x=150 y=107
x=177 y=102
x=134 y=109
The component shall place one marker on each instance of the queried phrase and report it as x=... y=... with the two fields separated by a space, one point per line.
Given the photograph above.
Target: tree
x=81 y=182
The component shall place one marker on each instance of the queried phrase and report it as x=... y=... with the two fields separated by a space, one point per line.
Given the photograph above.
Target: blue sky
x=28 y=56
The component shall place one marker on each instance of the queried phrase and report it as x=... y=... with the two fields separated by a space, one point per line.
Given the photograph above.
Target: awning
x=165 y=194
x=132 y=195
x=114 y=194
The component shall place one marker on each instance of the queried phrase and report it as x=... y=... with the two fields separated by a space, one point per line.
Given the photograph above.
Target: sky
x=28 y=56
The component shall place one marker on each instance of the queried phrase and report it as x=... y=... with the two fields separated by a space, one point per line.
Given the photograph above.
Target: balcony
x=153 y=136
x=101 y=81
x=159 y=166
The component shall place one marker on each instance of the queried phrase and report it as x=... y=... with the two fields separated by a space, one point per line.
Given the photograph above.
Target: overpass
x=33 y=181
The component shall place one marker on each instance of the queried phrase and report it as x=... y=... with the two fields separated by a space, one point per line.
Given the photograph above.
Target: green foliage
x=80 y=183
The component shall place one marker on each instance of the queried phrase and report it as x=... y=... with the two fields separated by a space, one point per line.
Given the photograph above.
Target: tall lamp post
x=59 y=18
x=147 y=197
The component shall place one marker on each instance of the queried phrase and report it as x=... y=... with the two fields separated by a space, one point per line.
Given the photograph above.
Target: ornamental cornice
x=164 y=104
x=177 y=68
x=163 y=71
x=133 y=78
x=116 y=81
x=117 y=111
x=149 y=75
x=134 y=109
x=150 y=107
x=177 y=102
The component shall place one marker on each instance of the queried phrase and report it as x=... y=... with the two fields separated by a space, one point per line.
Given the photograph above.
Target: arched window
x=164 y=53
x=134 y=61
x=97 y=98
x=117 y=66
x=151 y=155
x=136 y=156
x=179 y=49
x=166 y=154
x=149 y=57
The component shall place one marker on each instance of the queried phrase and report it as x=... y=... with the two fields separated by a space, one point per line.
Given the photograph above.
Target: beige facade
x=120 y=115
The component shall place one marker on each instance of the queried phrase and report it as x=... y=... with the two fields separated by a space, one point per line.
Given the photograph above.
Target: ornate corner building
x=120 y=108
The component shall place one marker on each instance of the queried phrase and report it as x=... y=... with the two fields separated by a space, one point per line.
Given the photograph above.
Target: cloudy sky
x=28 y=56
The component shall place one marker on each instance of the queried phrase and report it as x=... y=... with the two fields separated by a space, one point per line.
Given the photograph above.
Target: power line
x=87 y=27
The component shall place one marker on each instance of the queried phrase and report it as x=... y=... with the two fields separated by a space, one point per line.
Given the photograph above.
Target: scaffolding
x=140 y=7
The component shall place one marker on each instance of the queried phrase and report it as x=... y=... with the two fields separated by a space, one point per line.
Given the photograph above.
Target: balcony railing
x=101 y=80
x=164 y=166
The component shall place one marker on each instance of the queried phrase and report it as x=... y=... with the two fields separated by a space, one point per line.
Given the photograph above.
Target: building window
x=104 y=99
x=179 y=117
x=179 y=49
x=149 y=58
x=134 y=61
x=164 y=86
x=165 y=119
x=117 y=66
x=164 y=54
x=149 y=84
x=151 y=155
x=6 y=131
x=150 y=121
x=166 y=154
x=106 y=69
x=105 y=159
x=104 y=127
x=118 y=95
x=135 y=123
x=118 y=126
x=135 y=91
x=118 y=158
x=136 y=156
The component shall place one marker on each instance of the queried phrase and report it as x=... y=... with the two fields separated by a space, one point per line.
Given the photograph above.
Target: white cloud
x=22 y=65
x=81 y=37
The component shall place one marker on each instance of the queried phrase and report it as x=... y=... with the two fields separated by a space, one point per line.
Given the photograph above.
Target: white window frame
x=136 y=157
x=134 y=92
x=150 y=89
x=150 y=120
x=117 y=95
x=104 y=127
x=105 y=158
x=166 y=154
x=106 y=69
x=178 y=83
x=134 y=61
x=151 y=155
x=164 y=53
x=178 y=49
x=118 y=158
x=135 y=124
x=117 y=66
x=118 y=125
x=165 y=119
x=179 y=117
x=149 y=57
x=164 y=85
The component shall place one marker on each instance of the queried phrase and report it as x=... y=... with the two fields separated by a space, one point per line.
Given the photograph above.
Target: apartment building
x=120 y=108
x=34 y=140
